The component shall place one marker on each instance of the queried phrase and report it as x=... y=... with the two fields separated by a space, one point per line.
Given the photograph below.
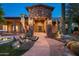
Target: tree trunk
x=63 y=18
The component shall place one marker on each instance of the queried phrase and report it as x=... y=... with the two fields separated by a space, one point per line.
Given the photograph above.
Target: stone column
x=31 y=27
x=23 y=22
x=14 y=26
x=30 y=22
x=49 y=28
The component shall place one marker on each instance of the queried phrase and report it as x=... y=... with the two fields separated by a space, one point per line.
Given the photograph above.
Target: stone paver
x=56 y=47
x=46 y=47
x=40 y=48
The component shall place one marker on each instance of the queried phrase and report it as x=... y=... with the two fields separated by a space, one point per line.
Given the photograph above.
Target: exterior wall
x=5 y=27
x=12 y=26
x=40 y=12
x=16 y=27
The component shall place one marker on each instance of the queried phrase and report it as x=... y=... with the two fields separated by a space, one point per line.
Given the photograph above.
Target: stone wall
x=40 y=12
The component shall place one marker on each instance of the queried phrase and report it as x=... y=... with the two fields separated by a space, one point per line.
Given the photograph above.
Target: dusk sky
x=15 y=9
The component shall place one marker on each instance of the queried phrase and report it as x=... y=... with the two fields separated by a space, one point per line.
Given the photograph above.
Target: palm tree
x=63 y=17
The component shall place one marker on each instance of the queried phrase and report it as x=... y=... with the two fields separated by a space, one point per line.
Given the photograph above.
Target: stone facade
x=39 y=16
x=40 y=12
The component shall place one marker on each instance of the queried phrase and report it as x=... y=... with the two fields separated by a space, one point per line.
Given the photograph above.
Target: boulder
x=73 y=46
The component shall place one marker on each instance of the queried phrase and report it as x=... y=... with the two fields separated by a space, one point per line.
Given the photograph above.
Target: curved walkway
x=46 y=47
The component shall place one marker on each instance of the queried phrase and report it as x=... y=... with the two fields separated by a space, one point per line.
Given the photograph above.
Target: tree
x=73 y=12
x=1 y=11
x=2 y=20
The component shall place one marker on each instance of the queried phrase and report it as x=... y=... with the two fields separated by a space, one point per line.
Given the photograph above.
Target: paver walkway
x=46 y=47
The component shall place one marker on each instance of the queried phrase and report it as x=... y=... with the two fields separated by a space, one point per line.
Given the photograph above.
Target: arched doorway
x=39 y=26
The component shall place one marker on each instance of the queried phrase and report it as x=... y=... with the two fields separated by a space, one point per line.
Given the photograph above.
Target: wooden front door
x=39 y=26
